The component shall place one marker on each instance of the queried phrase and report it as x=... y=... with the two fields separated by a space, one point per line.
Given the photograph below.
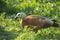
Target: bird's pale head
x=20 y=15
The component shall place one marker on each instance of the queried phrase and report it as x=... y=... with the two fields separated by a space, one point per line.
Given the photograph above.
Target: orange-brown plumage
x=34 y=20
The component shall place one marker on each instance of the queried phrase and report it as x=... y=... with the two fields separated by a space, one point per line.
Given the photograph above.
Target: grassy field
x=10 y=28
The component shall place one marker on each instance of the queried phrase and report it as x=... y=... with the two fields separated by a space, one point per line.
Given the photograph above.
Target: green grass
x=10 y=30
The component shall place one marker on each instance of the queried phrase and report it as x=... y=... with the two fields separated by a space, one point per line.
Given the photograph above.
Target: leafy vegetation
x=9 y=28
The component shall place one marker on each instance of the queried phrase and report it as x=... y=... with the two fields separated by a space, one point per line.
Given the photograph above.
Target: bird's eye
x=19 y=15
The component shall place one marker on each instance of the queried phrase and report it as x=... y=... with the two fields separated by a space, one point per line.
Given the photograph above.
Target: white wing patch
x=49 y=21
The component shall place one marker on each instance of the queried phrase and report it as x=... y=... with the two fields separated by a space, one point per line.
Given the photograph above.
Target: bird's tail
x=54 y=23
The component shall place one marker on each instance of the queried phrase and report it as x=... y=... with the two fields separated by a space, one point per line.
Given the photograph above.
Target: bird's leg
x=29 y=26
x=21 y=27
x=36 y=29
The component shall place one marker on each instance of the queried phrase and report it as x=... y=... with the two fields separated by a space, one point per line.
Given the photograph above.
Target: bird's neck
x=24 y=18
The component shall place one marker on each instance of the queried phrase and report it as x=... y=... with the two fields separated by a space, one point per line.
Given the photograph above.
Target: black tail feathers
x=55 y=24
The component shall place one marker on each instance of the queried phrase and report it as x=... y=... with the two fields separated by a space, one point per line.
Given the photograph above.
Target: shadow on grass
x=50 y=36
x=5 y=35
